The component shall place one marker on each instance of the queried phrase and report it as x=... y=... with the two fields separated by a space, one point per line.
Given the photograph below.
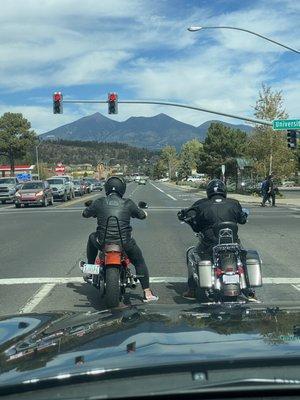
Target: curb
x=230 y=195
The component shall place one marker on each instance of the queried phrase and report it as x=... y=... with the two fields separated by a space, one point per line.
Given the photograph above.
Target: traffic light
x=112 y=103
x=57 y=103
x=292 y=139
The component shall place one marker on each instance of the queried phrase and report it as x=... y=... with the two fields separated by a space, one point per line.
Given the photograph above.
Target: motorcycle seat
x=109 y=247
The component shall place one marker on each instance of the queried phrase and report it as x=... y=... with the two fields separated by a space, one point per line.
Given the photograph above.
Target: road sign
x=60 y=168
x=24 y=177
x=284 y=124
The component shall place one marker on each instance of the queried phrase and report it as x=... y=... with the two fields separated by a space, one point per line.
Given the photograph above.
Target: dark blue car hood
x=41 y=346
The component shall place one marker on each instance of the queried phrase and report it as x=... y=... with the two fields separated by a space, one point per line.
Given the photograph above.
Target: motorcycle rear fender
x=113 y=258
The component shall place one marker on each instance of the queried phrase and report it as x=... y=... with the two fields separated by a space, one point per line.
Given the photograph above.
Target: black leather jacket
x=215 y=210
x=116 y=206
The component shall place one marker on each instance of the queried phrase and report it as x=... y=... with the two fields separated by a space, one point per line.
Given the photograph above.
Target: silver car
x=8 y=188
x=60 y=189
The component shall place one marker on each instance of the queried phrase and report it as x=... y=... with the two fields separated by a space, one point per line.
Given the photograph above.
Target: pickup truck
x=69 y=182
x=8 y=188
x=60 y=188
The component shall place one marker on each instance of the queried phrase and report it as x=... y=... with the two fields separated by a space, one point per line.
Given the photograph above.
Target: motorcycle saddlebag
x=201 y=269
x=205 y=273
x=253 y=268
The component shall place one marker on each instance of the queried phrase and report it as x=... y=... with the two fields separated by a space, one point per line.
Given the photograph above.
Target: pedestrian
x=264 y=191
x=270 y=191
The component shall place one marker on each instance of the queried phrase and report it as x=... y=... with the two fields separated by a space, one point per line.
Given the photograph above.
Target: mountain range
x=148 y=132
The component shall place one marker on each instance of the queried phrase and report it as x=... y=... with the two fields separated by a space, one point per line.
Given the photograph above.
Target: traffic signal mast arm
x=164 y=103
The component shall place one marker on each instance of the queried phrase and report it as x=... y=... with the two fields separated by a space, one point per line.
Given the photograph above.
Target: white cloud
x=135 y=45
x=42 y=118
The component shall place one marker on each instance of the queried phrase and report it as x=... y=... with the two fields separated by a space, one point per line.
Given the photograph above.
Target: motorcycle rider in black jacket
x=214 y=209
x=123 y=209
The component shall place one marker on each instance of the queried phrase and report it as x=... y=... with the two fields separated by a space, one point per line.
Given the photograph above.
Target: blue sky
x=142 y=50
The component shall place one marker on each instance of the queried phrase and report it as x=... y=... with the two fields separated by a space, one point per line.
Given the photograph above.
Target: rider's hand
x=181 y=215
x=88 y=203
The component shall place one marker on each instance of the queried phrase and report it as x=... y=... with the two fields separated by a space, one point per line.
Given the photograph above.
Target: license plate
x=91 y=269
x=231 y=279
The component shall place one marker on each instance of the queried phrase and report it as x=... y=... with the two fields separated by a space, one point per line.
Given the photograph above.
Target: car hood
x=26 y=191
x=43 y=346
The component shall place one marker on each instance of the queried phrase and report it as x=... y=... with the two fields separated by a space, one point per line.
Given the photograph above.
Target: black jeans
x=131 y=249
x=267 y=198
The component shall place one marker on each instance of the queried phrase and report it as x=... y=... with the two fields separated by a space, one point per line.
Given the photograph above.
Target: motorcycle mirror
x=246 y=211
x=142 y=204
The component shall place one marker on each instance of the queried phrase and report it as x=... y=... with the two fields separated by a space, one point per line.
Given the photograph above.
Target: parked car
x=70 y=183
x=142 y=181
x=60 y=188
x=34 y=192
x=79 y=187
x=8 y=188
x=196 y=178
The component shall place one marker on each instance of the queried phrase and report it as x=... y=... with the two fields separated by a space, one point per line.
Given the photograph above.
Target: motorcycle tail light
x=112 y=258
x=241 y=270
x=229 y=269
x=98 y=261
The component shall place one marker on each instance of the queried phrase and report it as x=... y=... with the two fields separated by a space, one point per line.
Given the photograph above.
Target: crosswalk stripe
x=154 y=279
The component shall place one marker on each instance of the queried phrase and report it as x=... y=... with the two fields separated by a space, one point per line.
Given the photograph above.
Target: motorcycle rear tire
x=112 y=290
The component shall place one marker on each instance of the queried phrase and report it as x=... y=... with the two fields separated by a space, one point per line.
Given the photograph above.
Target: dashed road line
x=297 y=287
x=167 y=194
x=39 y=296
x=133 y=191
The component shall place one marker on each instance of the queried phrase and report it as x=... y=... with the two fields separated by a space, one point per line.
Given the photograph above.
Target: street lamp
x=199 y=28
x=37 y=159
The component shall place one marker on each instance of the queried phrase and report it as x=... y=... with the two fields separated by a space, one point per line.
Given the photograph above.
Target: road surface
x=41 y=247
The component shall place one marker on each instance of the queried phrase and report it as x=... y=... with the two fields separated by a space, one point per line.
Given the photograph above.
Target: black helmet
x=216 y=186
x=115 y=184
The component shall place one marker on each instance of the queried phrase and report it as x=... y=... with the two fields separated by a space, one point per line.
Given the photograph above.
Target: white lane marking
x=37 y=298
x=297 y=287
x=53 y=210
x=133 y=191
x=169 y=195
x=153 y=279
x=294 y=208
x=75 y=209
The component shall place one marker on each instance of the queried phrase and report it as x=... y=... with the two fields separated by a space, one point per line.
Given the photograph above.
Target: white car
x=164 y=180
x=69 y=182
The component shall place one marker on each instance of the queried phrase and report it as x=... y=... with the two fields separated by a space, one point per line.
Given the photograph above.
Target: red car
x=34 y=192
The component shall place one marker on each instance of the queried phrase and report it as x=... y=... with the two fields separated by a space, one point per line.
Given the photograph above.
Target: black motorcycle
x=229 y=272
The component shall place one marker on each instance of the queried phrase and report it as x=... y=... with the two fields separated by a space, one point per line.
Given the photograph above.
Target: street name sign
x=286 y=124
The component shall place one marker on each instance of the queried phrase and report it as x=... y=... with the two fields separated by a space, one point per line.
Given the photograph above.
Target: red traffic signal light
x=57 y=103
x=112 y=103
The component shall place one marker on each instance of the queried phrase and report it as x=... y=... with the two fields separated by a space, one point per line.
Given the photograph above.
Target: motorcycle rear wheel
x=112 y=290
